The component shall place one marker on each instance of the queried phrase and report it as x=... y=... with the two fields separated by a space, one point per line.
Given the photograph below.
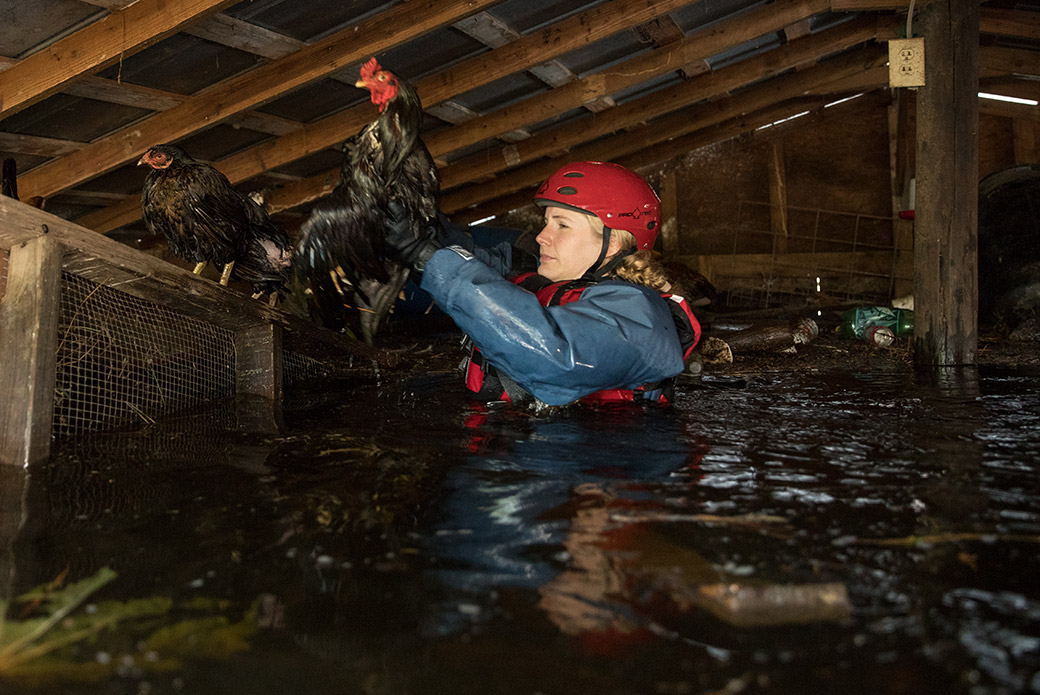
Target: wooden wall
x=841 y=196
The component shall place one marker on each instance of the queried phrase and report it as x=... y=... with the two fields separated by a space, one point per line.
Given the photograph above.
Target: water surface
x=786 y=532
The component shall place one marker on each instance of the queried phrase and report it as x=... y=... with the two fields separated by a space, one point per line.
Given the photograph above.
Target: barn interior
x=787 y=163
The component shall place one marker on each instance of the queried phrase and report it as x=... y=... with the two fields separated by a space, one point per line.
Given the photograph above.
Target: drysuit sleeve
x=617 y=335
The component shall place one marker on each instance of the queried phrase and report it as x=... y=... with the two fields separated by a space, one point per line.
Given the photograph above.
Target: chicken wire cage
x=122 y=360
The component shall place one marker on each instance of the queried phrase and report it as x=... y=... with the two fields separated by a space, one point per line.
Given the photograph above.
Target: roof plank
x=95 y=47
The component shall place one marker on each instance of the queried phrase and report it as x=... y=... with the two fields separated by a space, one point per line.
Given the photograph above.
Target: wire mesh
x=301 y=369
x=840 y=255
x=123 y=360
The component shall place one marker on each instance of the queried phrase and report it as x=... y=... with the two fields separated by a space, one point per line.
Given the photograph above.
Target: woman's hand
x=412 y=247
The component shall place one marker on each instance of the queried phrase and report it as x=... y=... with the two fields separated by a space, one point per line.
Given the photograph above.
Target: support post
x=900 y=143
x=946 y=224
x=778 y=198
x=669 y=213
x=258 y=377
x=29 y=315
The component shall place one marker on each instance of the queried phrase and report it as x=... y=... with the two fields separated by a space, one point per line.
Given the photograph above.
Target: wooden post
x=669 y=213
x=946 y=223
x=899 y=143
x=1025 y=138
x=29 y=316
x=778 y=198
x=258 y=372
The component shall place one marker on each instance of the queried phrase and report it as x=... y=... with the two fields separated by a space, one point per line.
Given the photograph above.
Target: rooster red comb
x=369 y=69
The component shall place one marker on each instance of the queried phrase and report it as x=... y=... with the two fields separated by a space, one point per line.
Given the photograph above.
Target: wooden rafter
x=702 y=44
x=214 y=105
x=1010 y=23
x=698 y=46
x=703 y=87
x=870 y=60
x=531 y=50
x=95 y=47
x=655 y=148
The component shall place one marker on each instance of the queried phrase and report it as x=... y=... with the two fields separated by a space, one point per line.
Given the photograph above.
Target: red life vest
x=483 y=379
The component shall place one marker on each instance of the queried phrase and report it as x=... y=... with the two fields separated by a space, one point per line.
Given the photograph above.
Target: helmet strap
x=598 y=272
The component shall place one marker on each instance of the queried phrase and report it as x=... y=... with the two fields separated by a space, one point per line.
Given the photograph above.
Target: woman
x=594 y=323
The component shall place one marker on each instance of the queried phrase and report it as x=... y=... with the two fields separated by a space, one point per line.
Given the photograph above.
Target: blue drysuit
x=616 y=335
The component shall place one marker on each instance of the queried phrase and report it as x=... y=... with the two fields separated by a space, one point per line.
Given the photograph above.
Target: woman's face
x=569 y=244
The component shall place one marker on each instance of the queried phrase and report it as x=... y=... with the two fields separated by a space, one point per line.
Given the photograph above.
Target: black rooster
x=205 y=219
x=341 y=250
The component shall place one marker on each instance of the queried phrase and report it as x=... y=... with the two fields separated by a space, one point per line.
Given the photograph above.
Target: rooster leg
x=258 y=295
x=199 y=267
x=273 y=300
x=226 y=275
x=378 y=300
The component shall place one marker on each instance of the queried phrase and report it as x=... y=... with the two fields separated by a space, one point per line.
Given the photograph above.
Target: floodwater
x=782 y=532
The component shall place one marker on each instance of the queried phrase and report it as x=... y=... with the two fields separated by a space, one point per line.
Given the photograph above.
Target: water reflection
x=781 y=532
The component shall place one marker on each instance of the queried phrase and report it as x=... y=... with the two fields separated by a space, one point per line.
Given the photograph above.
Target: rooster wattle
x=341 y=253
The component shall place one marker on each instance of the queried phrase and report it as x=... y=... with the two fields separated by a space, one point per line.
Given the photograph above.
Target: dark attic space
x=526 y=347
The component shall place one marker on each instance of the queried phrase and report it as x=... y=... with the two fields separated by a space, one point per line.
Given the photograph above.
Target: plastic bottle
x=854 y=322
x=904 y=322
x=882 y=336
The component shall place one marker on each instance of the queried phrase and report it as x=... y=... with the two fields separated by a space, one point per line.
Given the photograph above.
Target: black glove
x=412 y=247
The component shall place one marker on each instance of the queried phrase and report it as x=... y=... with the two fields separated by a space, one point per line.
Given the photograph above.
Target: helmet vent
x=567 y=190
x=574 y=175
x=651 y=225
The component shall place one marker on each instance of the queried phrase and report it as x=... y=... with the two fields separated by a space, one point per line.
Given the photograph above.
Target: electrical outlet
x=906 y=62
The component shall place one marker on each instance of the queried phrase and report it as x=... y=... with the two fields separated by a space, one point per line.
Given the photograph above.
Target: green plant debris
x=63 y=641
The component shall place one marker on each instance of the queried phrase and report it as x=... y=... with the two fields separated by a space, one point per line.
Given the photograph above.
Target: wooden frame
x=42 y=246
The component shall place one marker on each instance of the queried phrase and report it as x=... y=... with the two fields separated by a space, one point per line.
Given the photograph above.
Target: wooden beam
x=946 y=229
x=391 y=28
x=1026 y=137
x=1012 y=23
x=97 y=46
x=700 y=116
x=699 y=46
x=707 y=86
x=867 y=5
x=669 y=193
x=701 y=87
x=29 y=316
x=778 y=198
x=660 y=31
x=533 y=49
x=901 y=138
x=1022 y=112
x=1009 y=60
x=245 y=36
x=797 y=30
x=140 y=97
x=654 y=146
x=636 y=149
x=36 y=145
x=258 y=362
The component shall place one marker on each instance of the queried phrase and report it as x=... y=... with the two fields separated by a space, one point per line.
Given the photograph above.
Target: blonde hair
x=641 y=267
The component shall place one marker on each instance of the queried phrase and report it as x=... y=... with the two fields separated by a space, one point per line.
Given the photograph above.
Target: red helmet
x=619 y=197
